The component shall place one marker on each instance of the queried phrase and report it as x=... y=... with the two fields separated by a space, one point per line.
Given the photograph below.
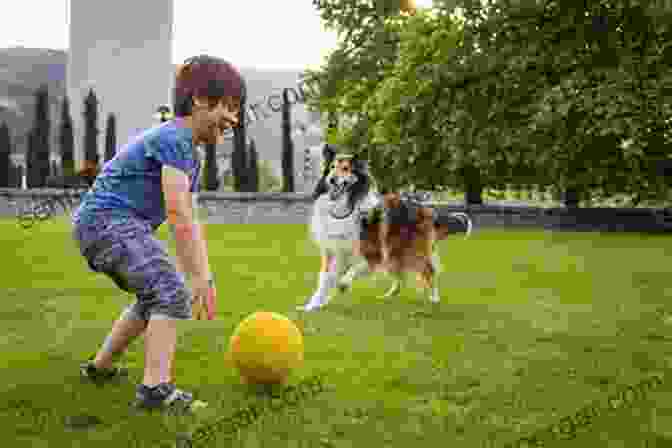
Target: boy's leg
x=163 y=299
x=140 y=264
x=129 y=326
x=104 y=252
x=160 y=342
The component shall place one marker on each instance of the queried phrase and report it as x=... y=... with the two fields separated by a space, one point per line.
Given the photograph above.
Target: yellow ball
x=265 y=348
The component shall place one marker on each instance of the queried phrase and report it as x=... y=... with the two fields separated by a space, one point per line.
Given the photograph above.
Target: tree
x=529 y=94
x=32 y=163
x=91 y=155
x=5 y=159
x=287 y=145
x=210 y=180
x=16 y=176
x=368 y=83
x=254 y=167
x=239 y=156
x=67 y=140
x=111 y=137
x=38 y=142
x=13 y=181
x=54 y=171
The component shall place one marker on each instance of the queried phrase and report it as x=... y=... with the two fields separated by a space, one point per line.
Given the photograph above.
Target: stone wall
x=256 y=208
x=294 y=208
x=583 y=219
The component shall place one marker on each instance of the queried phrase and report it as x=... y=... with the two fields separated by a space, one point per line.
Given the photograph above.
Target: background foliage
x=552 y=95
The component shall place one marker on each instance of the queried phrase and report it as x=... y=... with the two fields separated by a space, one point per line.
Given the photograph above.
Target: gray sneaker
x=90 y=371
x=164 y=396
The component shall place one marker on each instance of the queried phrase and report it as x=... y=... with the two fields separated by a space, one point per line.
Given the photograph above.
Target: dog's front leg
x=396 y=287
x=435 y=295
x=357 y=271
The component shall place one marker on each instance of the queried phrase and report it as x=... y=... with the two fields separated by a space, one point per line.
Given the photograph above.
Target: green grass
x=533 y=326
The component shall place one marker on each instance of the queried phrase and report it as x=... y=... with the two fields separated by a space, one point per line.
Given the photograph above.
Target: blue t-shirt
x=130 y=183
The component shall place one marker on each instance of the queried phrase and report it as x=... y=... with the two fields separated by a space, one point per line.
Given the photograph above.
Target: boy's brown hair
x=207 y=77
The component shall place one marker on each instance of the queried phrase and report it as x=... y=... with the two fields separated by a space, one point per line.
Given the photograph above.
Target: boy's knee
x=133 y=312
x=173 y=304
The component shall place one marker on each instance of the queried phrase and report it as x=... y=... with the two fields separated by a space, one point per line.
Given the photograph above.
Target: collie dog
x=402 y=239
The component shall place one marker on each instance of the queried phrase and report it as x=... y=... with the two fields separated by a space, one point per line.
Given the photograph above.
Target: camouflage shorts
x=125 y=249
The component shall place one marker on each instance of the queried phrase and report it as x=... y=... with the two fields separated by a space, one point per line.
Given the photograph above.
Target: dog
x=402 y=239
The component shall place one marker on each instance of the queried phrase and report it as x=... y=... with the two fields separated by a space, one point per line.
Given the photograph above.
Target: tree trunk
x=473 y=188
x=572 y=198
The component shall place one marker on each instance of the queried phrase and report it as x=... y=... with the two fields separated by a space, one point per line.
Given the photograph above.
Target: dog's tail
x=450 y=223
x=466 y=220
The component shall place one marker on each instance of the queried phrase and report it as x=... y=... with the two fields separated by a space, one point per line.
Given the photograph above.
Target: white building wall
x=125 y=55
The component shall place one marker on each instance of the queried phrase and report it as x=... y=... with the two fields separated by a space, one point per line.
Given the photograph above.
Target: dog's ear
x=361 y=166
x=328 y=152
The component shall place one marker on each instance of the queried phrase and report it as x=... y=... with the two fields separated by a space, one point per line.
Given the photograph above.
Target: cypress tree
x=41 y=130
x=110 y=137
x=239 y=157
x=20 y=172
x=67 y=140
x=5 y=160
x=12 y=175
x=210 y=173
x=32 y=165
x=287 y=146
x=91 y=156
x=254 y=167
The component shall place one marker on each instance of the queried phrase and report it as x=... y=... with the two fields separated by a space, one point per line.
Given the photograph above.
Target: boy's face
x=212 y=118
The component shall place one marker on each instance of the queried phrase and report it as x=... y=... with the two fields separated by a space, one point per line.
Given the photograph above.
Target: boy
x=152 y=179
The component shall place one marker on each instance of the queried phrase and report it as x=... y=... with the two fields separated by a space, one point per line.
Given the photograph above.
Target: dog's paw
x=392 y=292
x=343 y=287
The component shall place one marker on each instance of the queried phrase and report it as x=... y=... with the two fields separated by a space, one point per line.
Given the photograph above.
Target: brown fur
x=387 y=250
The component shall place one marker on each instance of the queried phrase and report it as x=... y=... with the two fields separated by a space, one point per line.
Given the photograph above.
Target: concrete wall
x=125 y=55
x=295 y=208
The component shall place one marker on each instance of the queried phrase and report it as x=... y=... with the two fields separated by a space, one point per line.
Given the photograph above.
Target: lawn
x=532 y=327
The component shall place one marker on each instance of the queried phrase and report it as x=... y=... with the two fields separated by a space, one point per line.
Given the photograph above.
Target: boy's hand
x=204 y=300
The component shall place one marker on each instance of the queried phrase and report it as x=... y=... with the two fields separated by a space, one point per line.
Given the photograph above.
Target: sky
x=237 y=31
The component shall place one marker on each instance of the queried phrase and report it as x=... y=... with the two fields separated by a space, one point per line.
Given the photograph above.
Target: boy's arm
x=181 y=221
x=202 y=241
x=200 y=230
